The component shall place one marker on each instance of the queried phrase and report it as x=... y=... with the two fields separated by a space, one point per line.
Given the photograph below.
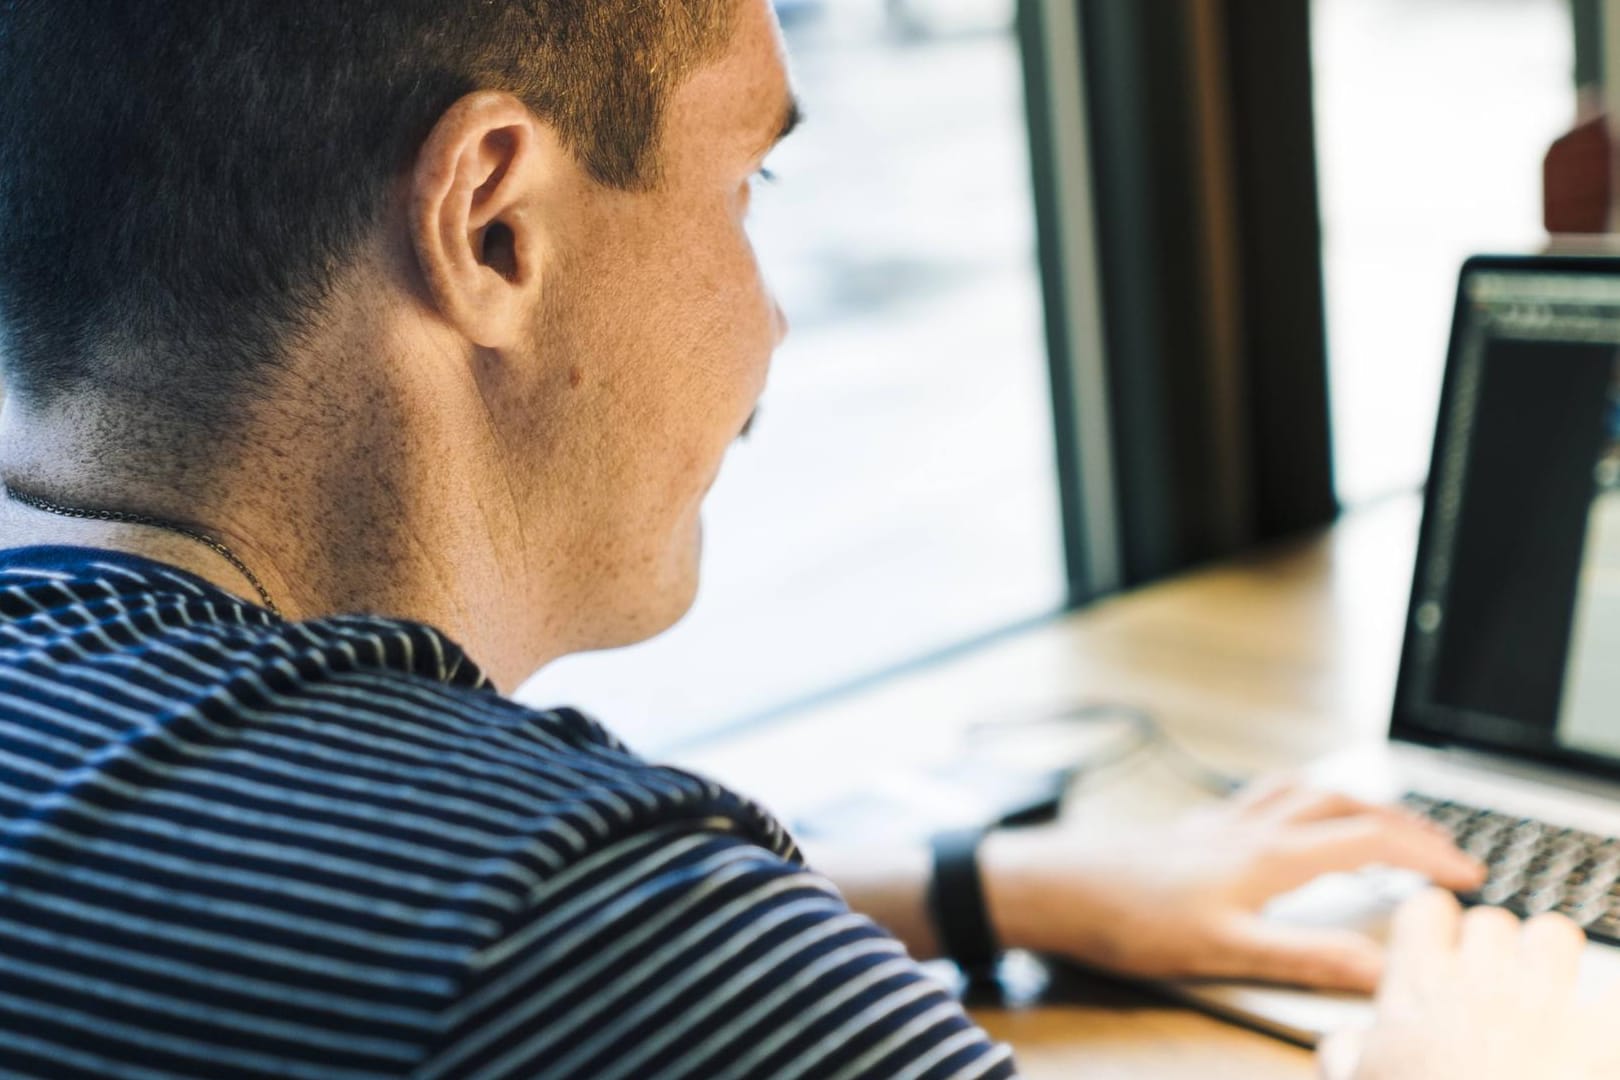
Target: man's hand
x=1184 y=900
x=1479 y=996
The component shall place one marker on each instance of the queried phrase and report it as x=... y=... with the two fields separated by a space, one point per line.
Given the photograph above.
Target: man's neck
x=394 y=530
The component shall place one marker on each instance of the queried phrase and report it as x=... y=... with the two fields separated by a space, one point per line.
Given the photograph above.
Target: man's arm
x=1181 y=900
x=681 y=952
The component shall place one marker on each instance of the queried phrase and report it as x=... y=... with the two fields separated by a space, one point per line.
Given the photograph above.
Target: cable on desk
x=1026 y=793
x=1148 y=735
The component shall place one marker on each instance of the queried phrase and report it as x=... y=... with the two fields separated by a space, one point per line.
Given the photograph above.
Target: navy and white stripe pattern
x=235 y=846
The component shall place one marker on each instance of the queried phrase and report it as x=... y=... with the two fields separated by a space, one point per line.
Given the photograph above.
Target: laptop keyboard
x=1535 y=867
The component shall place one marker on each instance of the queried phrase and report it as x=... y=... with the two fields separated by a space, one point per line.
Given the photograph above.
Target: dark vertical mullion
x=1281 y=253
x=1202 y=212
x=1587 y=16
x=1060 y=157
x=1125 y=230
x=1149 y=235
x=1034 y=46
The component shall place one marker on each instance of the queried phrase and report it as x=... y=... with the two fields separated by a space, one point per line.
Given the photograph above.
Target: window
x=1433 y=117
x=898 y=495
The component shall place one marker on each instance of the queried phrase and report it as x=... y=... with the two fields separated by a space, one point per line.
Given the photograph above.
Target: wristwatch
x=956 y=901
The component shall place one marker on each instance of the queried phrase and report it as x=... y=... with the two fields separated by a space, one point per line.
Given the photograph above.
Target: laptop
x=1506 y=723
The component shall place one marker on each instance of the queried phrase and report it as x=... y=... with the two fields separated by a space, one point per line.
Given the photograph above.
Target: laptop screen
x=1513 y=636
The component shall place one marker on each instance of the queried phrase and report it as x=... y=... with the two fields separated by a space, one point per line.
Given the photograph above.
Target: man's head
x=502 y=237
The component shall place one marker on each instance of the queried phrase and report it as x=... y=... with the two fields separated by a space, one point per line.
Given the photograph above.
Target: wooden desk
x=1257 y=665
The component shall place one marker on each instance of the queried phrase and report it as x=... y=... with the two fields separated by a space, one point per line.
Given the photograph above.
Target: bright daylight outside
x=1432 y=120
x=898 y=495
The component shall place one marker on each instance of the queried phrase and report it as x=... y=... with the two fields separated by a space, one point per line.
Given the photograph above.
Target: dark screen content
x=1541 y=428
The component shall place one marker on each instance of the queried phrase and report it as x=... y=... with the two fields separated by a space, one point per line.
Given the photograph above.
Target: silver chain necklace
x=119 y=517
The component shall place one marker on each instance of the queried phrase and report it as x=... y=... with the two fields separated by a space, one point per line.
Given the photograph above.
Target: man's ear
x=475 y=215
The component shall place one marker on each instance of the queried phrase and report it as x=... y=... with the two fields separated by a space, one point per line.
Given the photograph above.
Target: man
x=364 y=356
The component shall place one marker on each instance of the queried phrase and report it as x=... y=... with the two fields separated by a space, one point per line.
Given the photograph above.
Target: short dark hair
x=181 y=181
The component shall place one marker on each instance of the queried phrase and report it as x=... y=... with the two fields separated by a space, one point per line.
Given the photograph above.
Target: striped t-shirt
x=236 y=846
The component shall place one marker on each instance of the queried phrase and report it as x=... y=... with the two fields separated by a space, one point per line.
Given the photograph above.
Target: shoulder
x=408 y=700
x=565 y=766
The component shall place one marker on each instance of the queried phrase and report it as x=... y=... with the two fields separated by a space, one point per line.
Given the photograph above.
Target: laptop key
x=1606 y=928
x=1535 y=867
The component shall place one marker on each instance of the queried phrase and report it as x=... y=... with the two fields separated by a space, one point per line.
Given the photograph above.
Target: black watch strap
x=956 y=899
